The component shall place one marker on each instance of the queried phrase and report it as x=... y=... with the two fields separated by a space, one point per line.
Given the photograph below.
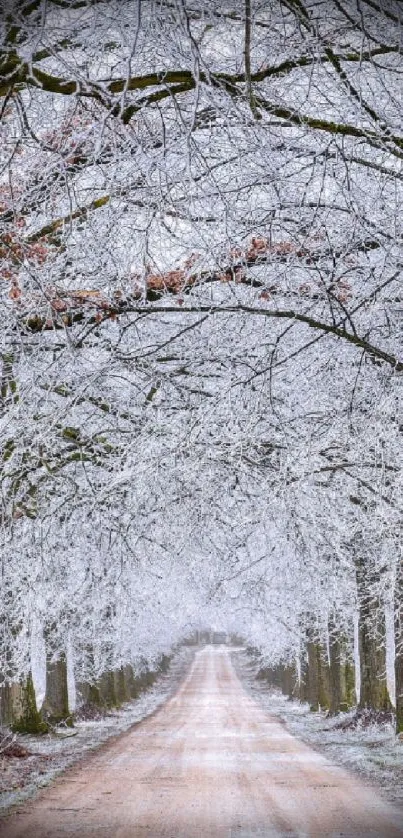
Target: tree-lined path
x=201 y=400
x=201 y=258
x=210 y=764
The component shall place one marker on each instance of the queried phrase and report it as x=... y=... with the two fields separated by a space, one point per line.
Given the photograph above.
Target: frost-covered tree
x=200 y=329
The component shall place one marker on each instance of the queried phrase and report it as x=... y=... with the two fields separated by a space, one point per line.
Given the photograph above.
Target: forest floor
x=48 y=756
x=211 y=762
x=373 y=751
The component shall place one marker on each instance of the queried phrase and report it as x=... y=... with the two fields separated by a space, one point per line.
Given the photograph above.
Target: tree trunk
x=89 y=691
x=335 y=674
x=94 y=695
x=106 y=685
x=164 y=663
x=130 y=683
x=288 y=681
x=6 y=716
x=399 y=647
x=324 y=678
x=120 y=686
x=374 y=690
x=303 y=682
x=83 y=691
x=317 y=675
x=399 y=691
x=371 y=628
x=351 y=692
x=312 y=676
x=347 y=685
x=56 y=704
x=341 y=673
x=9 y=688
x=89 y=694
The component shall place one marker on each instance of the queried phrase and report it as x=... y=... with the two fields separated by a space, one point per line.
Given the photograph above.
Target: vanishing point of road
x=210 y=763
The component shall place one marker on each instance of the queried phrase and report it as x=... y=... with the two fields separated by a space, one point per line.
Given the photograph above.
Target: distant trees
x=200 y=334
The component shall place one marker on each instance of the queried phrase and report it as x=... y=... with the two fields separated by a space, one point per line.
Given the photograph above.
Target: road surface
x=209 y=764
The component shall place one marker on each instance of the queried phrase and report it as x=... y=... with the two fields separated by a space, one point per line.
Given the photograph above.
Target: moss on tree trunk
x=26 y=717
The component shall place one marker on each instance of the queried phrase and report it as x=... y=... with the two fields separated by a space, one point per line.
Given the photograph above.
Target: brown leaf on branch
x=15 y=290
x=58 y=305
x=257 y=247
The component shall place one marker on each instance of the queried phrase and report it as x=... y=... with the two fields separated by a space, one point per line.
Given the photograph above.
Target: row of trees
x=201 y=336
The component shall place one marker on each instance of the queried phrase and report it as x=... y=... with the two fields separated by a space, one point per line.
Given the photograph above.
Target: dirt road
x=209 y=764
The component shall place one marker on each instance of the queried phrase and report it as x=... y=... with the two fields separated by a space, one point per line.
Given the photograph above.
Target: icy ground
x=374 y=752
x=20 y=778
